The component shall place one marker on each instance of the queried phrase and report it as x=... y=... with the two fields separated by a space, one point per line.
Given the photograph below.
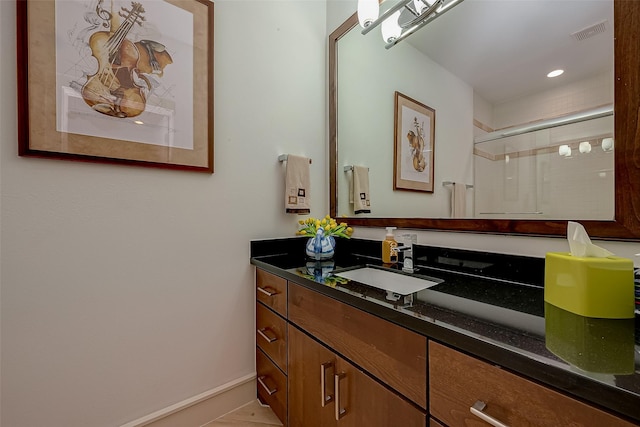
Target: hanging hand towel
x=361 y=201
x=458 y=200
x=297 y=185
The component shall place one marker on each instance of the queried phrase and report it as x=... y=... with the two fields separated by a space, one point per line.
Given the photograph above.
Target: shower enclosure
x=552 y=169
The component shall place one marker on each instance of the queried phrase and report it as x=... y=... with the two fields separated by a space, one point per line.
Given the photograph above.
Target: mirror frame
x=626 y=222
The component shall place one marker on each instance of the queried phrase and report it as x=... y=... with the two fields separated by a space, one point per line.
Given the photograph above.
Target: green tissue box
x=592 y=287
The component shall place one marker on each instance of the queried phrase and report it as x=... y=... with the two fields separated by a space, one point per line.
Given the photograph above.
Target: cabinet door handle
x=263 y=334
x=266 y=292
x=477 y=410
x=340 y=412
x=269 y=390
x=326 y=398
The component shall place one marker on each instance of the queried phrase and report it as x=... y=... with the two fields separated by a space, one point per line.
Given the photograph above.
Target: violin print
x=120 y=85
x=117 y=81
x=413 y=146
x=128 y=64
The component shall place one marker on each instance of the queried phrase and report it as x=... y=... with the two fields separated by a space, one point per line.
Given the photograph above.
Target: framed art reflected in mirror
x=414 y=138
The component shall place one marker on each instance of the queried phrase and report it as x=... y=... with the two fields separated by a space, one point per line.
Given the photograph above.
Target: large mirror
x=514 y=184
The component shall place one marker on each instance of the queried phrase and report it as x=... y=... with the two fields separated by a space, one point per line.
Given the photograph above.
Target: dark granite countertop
x=501 y=318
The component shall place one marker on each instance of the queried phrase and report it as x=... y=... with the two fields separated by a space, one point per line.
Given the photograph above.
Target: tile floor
x=253 y=414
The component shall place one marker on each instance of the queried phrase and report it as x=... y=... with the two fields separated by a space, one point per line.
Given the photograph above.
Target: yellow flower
x=309 y=227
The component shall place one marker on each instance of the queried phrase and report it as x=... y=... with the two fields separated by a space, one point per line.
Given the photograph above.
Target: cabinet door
x=311 y=388
x=318 y=375
x=458 y=382
x=362 y=401
x=271 y=290
x=271 y=335
x=272 y=385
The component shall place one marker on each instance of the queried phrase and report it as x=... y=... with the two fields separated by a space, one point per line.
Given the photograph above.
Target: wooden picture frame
x=122 y=81
x=414 y=141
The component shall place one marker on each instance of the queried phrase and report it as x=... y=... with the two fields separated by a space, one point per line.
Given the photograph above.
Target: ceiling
x=505 y=48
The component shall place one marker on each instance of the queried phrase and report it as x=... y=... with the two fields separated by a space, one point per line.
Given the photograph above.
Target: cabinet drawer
x=458 y=381
x=434 y=423
x=271 y=335
x=391 y=353
x=272 y=386
x=271 y=290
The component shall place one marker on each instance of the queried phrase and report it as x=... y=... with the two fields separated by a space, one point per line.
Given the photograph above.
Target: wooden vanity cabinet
x=271 y=342
x=325 y=390
x=321 y=362
x=458 y=381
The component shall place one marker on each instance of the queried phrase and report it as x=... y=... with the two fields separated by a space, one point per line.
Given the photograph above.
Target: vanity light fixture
x=584 y=147
x=402 y=19
x=555 y=73
x=607 y=144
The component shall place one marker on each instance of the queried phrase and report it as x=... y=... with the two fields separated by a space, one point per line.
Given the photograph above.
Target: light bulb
x=584 y=147
x=420 y=5
x=368 y=12
x=607 y=144
x=564 y=150
x=390 y=28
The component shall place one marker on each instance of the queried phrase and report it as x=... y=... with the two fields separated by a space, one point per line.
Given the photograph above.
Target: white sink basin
x=388 y=280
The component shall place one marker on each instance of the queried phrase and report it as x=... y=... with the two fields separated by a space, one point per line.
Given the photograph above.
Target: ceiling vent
x=591 y=31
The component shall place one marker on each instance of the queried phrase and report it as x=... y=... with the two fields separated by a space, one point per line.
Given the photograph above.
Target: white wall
x=569 y=98
x=125 y=289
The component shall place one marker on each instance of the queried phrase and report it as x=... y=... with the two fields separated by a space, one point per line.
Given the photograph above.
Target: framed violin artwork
x=414 y=140
x=117 y=81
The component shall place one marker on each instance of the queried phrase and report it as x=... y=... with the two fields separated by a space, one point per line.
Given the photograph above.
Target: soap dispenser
x=389 y=247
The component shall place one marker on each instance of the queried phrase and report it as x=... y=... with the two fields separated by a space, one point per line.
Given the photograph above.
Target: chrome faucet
x=407 y=259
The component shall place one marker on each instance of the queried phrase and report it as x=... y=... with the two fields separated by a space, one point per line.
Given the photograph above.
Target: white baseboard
x=203 y=408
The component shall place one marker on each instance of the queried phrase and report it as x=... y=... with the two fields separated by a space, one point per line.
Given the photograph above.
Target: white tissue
x=580 y=244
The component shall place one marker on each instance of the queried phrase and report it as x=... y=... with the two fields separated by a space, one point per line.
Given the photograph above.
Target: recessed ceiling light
x=555 y=73
x=138 y=122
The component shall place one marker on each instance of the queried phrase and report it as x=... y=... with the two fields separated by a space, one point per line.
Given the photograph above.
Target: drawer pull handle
x=340 y=412
x=269 y=390
x=326 y=398
x=266 y=292
x=263 y=334
x=477 y=410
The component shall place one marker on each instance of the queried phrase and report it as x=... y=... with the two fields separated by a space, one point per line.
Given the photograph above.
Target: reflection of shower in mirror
x=526 y=175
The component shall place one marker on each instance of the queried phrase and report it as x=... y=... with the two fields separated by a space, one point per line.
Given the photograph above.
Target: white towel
x=359 y=194
x=297 y=197
x=458 y=200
